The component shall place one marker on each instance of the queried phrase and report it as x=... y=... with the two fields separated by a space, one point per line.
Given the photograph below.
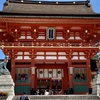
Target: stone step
x=61 y=97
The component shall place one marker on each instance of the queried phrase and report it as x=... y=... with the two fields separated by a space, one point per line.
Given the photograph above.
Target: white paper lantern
x=33 y=70
x=70 y=70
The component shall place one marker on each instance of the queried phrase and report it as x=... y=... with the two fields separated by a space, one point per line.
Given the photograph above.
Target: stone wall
x=7 y=85
x=96 y=85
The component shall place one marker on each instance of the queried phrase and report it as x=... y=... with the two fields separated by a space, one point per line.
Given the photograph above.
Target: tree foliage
x=96 y=57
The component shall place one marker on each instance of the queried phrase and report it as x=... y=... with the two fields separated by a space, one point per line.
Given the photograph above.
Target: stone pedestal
x=7 y=85
x=96 y=85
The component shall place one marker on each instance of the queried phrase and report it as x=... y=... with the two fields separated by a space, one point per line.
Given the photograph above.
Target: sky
x=95 y=5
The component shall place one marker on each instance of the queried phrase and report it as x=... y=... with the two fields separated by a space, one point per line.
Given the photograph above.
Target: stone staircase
x=61 y=97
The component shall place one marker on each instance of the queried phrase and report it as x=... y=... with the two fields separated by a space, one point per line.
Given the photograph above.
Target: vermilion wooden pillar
x=70 y=75
x=65 y=80
x=13 y=72
x=70 y=78
x=89 y=76
x=35 y=79
x=50 y=83
x=33 y=75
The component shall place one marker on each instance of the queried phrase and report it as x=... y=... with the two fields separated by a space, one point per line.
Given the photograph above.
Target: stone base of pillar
x=90 y=90
x=71 y=91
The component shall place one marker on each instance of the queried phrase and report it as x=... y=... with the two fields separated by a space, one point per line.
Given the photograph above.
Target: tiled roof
x=48 y=8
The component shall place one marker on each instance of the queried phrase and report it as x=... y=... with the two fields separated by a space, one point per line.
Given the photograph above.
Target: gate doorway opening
x=46 y=84
x=56 y=84
x=43 y=83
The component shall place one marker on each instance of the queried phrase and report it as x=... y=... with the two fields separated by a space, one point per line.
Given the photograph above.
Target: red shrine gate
x=50 y=51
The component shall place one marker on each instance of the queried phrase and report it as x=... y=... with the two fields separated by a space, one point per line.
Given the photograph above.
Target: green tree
x=96 y=57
